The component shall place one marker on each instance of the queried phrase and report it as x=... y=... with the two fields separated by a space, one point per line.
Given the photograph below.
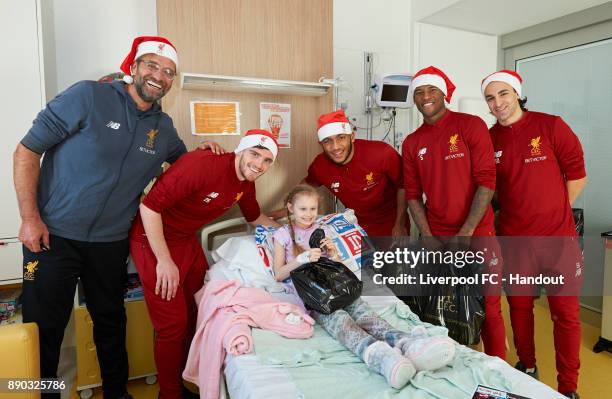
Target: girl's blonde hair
x=300 y=189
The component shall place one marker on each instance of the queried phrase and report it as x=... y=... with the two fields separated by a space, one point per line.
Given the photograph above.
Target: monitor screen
x=396 y=93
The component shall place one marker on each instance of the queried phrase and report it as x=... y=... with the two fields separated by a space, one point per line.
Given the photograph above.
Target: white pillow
x=220 y=270
x=238 y=259
x=239 y=249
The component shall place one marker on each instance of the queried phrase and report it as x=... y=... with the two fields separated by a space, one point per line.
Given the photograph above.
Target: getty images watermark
x=456 y=258
x=518 y=265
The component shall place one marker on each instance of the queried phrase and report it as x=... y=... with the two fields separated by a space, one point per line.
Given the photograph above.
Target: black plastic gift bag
x=325 y=285
x=578 y=214
x=459 y=308
x=416 y=296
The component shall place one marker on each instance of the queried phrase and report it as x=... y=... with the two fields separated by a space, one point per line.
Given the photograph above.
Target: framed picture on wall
x=215 y=118
x=276 y=118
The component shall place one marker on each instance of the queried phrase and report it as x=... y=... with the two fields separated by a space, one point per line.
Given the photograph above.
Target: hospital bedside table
x=605 y=340
x=139 y=343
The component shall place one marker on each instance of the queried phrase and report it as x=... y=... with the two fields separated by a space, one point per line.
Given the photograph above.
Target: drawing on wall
x=277 y=119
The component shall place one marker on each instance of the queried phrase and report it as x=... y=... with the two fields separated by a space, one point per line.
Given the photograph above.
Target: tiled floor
x=596 y=368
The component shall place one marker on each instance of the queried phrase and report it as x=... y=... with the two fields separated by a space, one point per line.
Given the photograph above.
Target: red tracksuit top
x=368 y=184
x=447 y=161
x=197 y=189
x=535 y=157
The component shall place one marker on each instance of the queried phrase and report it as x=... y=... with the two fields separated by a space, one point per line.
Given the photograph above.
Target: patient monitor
x=392 y=90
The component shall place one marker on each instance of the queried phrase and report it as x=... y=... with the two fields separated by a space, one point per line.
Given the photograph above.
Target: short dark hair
x=522 y=102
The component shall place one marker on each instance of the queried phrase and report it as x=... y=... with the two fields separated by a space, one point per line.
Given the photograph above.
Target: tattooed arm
x=482 y=199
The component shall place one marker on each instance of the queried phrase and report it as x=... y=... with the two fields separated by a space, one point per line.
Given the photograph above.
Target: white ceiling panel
x=498 y=17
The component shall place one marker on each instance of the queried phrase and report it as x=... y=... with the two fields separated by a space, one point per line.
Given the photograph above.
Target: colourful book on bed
x=483 y=392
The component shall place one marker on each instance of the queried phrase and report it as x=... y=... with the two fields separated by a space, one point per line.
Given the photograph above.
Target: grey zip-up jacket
x=100 y=152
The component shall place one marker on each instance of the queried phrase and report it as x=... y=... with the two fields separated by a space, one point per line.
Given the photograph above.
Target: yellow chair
x=20 y=356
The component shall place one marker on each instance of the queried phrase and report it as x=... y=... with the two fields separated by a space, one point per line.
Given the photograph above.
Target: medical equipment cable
x=391 y=124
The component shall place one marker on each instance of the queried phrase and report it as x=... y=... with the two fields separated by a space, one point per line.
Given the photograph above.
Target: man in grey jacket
x=102 y=144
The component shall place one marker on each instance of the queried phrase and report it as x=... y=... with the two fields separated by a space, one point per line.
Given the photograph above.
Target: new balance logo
x=211 y=197
x=113 y=125
x=498 y=155
x=422 y=152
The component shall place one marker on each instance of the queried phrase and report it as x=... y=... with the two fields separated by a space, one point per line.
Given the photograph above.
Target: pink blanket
x=238 y=340
x=226 y=311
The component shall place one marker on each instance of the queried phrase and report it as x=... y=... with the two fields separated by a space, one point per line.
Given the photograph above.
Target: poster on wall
x=277 y=119
x=215 y=118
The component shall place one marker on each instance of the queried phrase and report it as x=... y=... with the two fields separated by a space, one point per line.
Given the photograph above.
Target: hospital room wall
x=466 y=58
x=89 y=39
x=366 y=26
x=272 y=39
x=358 y=25
x=402 y=44
x=398 y=42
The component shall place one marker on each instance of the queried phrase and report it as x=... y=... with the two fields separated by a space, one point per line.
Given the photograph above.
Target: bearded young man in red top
x=166 y=249
x=365 y=175
x=540 y=173
x=450 y=159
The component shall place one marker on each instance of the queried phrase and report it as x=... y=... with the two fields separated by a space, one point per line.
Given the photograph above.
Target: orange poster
x=214 y=118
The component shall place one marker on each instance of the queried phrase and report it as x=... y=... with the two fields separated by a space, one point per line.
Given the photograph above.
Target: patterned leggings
x=357 y=326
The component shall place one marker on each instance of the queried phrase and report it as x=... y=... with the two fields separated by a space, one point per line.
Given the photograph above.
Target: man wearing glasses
x=102 y=144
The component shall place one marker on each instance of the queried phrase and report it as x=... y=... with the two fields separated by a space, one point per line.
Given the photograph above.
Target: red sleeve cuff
x=249 y=218
x=249 y=206
x=414 y=196
x=576 y=175
x=488 y=184
x=153 y=203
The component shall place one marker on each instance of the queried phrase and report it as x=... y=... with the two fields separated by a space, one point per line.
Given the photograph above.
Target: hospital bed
x=261 y=376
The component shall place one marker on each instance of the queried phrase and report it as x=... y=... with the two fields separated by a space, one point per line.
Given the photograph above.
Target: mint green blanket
x=322 y=367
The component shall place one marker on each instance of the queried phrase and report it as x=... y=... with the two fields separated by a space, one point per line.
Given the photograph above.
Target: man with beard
x=102 y=144
x=165 y=246
x=449 y=158
x=365 y=175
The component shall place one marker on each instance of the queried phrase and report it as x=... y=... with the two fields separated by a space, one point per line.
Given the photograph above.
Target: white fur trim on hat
x=334 y=128
x=423 y=80
x=502 y=77
x=430 y=79
x=253 y=140
x=159 y=48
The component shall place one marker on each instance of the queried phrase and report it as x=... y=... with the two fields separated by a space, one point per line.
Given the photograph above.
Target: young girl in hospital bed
x=394 y=354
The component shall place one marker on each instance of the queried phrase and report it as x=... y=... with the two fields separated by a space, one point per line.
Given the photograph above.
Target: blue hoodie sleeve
x=177 y=147
x=63 y=116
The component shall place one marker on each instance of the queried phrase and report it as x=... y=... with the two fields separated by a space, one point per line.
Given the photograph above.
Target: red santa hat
x=507 y=76
x=258 y=137
x=148 y=45
x=434 y=77
x=333 y=123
